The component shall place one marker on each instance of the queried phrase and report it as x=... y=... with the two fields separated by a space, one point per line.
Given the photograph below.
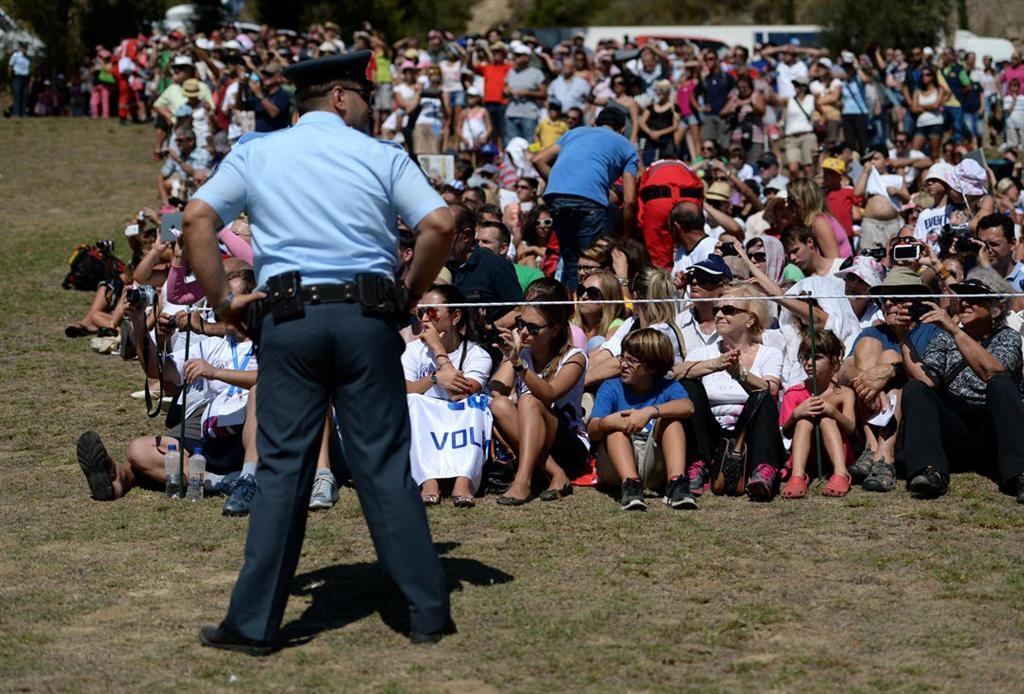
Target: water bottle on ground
x=172 y=471
x=196 y=475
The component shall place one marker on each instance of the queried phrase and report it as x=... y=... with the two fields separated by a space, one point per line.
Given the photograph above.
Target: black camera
x=106 y=247
x=906 y=252
x=728 y=249
x=878 y=253
x=918 y=309
x=960 y=236
x=143 y=296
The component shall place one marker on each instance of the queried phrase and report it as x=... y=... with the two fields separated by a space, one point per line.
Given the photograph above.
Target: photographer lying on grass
x=219 y=380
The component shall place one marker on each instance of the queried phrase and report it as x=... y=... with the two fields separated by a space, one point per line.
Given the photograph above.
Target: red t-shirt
x=494 y=82
x=840 y=204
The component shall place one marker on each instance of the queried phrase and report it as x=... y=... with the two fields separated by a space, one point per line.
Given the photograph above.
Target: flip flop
x=838 y=485
x=77 y=330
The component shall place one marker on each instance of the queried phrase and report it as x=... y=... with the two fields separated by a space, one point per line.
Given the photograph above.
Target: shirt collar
x=321 y=117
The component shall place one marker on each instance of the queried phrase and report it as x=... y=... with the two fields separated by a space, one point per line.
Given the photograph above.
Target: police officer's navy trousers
x=333 y=352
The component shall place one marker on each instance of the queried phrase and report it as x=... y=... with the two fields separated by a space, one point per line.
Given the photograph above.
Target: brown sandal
x=431 y=499
x=463 y=501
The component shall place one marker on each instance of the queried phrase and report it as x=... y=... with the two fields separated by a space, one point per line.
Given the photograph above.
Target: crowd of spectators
x=749 y=268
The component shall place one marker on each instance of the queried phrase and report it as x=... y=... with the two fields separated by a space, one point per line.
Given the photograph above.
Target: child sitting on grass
x=642 y=408
x=833 y=411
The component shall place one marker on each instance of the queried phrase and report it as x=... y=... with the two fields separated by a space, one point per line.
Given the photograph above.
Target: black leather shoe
x=219 y=637
x=928 y=484
x=419 y=637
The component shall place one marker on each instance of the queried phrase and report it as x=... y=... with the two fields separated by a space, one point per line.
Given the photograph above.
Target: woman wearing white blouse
x=720 y=379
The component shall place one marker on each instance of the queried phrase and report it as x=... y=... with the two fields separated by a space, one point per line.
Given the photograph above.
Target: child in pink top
x=832 y=411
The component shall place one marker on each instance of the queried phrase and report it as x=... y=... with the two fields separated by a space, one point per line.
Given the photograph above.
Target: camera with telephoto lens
x=728 y=249
x=877 y=253
x=143 y=296
x=960 y=235
x=106 y=247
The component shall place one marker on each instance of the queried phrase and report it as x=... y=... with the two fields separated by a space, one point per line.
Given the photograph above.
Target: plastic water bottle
x=196 y=475
x=172 y=471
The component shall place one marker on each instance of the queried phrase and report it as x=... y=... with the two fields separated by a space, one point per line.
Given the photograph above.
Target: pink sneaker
x=761 y=485
x=698 y=472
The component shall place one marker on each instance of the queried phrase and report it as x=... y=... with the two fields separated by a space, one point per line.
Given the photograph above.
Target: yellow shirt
x=549 y=131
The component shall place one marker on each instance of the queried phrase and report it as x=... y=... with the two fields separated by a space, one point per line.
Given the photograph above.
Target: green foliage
x=394 y=17
x=858 y=24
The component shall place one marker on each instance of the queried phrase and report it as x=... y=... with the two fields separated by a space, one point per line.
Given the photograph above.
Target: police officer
x=323 y=200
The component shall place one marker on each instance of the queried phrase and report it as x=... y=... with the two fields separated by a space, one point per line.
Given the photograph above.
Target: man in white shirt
x=568 y=89
x=687 y=223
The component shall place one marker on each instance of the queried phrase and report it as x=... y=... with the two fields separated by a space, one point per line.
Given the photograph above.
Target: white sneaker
x=325 y=492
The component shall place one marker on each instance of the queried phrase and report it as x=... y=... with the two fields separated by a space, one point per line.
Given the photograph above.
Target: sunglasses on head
x=591 y=293
x=531 y=328
x=584 y=270
x=728 y=310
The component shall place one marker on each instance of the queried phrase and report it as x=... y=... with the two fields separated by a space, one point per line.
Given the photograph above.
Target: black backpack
x=91 y=265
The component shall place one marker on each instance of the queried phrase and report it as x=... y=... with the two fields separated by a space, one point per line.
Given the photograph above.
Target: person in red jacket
x=665 y=183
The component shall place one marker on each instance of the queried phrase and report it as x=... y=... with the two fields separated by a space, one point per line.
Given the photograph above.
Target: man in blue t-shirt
x=580 y=170
x=638 y=421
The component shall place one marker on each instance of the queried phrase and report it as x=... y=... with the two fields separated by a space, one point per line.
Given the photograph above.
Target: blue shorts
x=689 y=120
x=457 y=99
x=930 y=130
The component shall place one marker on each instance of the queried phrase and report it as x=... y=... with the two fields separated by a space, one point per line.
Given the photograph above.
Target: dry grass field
x=864 y=593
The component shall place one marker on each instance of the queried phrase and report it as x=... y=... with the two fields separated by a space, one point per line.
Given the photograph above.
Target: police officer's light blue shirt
x=20 y=64
x=322 y=198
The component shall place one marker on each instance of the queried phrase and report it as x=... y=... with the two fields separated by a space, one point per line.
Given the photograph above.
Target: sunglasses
x=728 y=310
x=758 y=257
x=974 y=301
x=590 y=293
x=585 y=270
x=531 y=328
x=703 y=280
x=545 y=222
x=430 y=311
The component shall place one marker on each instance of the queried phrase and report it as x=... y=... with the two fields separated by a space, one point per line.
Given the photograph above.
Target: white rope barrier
x=677 y=300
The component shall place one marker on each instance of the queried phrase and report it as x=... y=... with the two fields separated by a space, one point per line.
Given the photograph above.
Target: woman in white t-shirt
x=545 y=425
x=443 y=364
x=734 y=385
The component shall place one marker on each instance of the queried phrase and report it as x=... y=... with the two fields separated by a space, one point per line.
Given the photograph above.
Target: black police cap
x=356 y=66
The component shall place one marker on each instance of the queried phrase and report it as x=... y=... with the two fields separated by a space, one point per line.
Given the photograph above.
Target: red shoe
x=796 y=487
x=838 y=485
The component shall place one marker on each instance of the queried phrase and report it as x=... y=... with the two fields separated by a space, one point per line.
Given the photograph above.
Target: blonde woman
x=723 y=379
x=828 y=232
x=649 y=283
x=599 y=322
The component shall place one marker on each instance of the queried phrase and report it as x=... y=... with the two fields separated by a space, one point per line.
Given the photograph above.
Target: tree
x=857 y=24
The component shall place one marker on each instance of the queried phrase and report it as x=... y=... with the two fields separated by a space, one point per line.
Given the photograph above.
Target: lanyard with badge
x=237 y=390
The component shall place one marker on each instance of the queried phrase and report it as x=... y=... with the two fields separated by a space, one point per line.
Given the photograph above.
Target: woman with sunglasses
x=722 y=380
x=649 y=283
x=545 y=424
x=444 y=364
x=599 y=321
x=533 y=249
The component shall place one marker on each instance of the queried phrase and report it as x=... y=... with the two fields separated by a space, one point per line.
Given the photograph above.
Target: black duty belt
x=346 y=293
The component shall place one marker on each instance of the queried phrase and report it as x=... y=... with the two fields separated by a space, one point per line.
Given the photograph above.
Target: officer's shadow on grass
x=345 y=593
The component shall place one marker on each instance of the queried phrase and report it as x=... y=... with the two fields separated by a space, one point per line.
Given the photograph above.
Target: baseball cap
x=488 y=169
x=866 y=268
x=940 y=172
x=489 y=150
x=521 y=49
x=777 y=183
x=713 y=265
x=271 y=69
x=872 y=150
x=455 y=184
x=181 y=60
x=834 y=164
x=184 y=111
x=972 y=285
x=499 y=46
